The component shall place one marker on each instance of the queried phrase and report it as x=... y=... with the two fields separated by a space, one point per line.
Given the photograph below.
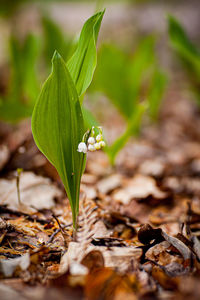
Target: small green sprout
x=19 y=171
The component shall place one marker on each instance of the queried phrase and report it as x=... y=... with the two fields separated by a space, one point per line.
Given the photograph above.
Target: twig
x=61 y=229
x=56 y=232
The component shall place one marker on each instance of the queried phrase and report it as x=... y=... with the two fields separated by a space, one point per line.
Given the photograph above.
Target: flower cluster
x=93 y=142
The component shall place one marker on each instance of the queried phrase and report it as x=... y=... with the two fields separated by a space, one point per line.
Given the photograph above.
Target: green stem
x=17 y=183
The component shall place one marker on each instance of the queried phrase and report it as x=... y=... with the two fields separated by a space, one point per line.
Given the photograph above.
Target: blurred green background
x=145 y=48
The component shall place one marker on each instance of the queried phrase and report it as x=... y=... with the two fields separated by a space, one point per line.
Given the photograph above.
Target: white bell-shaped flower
x=99 y=137
x=82 y=147
x=91 y=140
x=97 y=146
x=91 y=148
x=102 y=144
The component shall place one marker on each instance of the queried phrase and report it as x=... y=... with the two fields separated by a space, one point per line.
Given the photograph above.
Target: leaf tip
x=56 y=56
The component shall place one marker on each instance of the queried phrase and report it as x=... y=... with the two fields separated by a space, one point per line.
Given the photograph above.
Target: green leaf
x=58 y=128
x=132 y=128
x=183 y=46
x=83 y=62
x=156 y=92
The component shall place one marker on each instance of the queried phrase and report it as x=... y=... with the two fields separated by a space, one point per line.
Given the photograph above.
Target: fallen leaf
x=106 y=284
x=8 y=266
x=152 y=167
x=139 y=187
x=4 y=155
x=93 y=260
x=35 y=192
x=163 y=279
x=180 y=246
x=109 y=183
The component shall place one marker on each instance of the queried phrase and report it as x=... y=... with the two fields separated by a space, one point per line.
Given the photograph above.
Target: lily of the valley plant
x=57 y=121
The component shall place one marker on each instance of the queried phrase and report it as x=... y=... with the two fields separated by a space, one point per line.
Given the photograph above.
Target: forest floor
x=139 y=223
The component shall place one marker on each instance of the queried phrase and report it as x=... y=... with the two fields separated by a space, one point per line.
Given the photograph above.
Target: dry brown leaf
x=9 y=293
x=89 y=191
x=179 y=245
x=4 y=155
x=196 y=246
x=35 y=192
x=110 y=183
x=8 y=266
x=139 y=187
x=120 y=257
x=152 y=167
x=154 y=252
x=93 y=260
x=114 y=257
x=88 y=179
x=100 y=230
x=106 y=284
x=163 y=279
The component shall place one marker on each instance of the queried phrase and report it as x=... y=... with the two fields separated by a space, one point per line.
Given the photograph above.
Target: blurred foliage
x=8 y=7
x=131 y=80
x=23 y=86
x=133 y=128
x=126 y=79
x=187 y=52
x=18 y=100
x=156 y=92
x=24 y=57
x=55 y=39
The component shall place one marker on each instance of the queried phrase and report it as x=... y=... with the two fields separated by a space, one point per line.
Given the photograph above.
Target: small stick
x=52 y=236
x=61 y=229
x=56 y=232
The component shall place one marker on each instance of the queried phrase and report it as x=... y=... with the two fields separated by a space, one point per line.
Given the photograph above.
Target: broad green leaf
x=57 y=125
x=83 y=62
x=156 y=92
x=132 y=128
x=183 y=46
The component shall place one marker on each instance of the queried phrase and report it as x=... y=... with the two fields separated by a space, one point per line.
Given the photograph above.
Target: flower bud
x=82 y=147
x=102 y=144
x=91 y=148
x=99 y=137
x=91 y=140
x=97 y=146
